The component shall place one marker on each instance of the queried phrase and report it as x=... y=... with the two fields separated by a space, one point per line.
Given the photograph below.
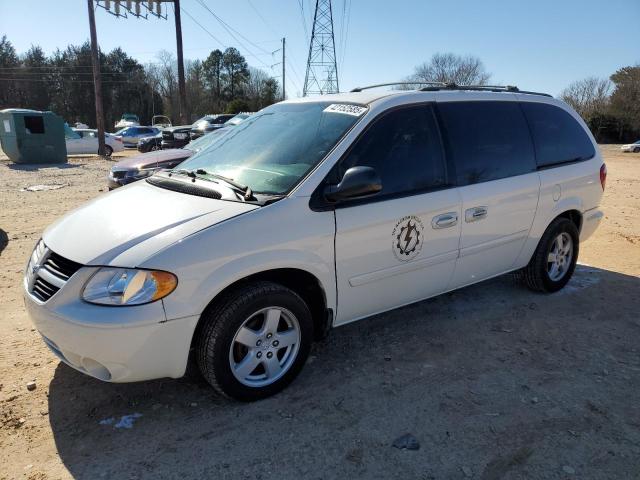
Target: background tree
x=212 y=67
x=451 y=68
x=625 y=99
x=235 y=71
x=9 y=63
x=589 y=97
x=62 y=82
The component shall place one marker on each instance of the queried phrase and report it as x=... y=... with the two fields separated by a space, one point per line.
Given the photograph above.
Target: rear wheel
x=254 y=341
x=108 y=150
x=554 y=260
x=636 y=150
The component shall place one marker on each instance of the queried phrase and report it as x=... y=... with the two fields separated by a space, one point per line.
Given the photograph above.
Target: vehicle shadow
x=34 y=167
x=490 y=378
x=4 y=240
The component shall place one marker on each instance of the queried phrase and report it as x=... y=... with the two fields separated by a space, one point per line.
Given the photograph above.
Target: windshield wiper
x=245 y=190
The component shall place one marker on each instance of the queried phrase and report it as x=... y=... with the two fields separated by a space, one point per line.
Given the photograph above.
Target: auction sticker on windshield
x=355 y=110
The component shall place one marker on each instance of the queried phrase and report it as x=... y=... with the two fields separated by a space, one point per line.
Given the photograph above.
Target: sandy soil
x=493 y=380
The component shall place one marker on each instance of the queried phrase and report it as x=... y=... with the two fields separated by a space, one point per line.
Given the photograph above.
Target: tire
x=539 y=275
x=235 y=333
x=636 y=150
x=108 y=150
x=154 y=148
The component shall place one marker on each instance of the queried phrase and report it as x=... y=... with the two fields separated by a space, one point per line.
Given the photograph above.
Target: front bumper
x=115 y=344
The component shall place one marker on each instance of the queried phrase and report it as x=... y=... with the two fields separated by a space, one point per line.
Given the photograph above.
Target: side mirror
x=357 y=182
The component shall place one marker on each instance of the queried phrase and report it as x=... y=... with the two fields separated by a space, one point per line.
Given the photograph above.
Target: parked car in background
x=175 y=137
x=237 y=119
x=160 y=121
x=85 y=141
x=132 y=135
x=146 y=164
x=127 y=120
x=150 y=144
x=631 y=147
x=208 y=123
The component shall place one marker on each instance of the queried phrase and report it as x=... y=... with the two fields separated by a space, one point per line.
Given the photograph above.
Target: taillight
x=603 y=175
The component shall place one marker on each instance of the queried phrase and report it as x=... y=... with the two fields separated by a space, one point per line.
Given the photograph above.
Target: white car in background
x=631 y=147
x=127 y=120
x=85 y=141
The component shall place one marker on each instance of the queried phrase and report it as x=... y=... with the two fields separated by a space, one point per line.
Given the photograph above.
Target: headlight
x=180 y=136
x=128 y=286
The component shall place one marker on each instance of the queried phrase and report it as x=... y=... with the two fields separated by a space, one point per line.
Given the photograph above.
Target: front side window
x=487 y=140
x=404 y=147
x=274 y=149
x=557 y=136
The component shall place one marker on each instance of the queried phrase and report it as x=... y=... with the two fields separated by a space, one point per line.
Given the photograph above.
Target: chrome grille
x=47 y=272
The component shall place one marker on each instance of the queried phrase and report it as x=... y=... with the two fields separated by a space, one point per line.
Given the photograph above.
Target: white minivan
x=311 y=214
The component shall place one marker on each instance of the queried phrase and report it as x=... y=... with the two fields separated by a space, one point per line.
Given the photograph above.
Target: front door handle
x=474 y=214
x=444 y=220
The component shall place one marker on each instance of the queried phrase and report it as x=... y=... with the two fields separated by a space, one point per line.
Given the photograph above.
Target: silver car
x=132 y=135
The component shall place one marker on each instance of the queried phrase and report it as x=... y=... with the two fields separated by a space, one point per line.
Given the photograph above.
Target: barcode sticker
x=355 y=110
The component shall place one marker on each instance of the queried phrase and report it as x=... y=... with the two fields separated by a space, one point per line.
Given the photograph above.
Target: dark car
x=146 y=164
x=150 y=144
x=209 y=123
x=175 y=137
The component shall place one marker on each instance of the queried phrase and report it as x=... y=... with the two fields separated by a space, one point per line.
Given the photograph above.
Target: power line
x=304 y=19
x=200 y=25
x=230 y=31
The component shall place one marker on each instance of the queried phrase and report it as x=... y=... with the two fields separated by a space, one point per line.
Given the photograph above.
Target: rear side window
x=557 y=136
x=404 y=147
x=487 y=140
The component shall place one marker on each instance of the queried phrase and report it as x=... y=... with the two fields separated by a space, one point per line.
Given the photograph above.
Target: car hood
x=128 y=225
x=150 y=159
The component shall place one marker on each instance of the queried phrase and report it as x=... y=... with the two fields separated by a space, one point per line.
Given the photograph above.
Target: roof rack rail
x=436 y=86
x=359 y=89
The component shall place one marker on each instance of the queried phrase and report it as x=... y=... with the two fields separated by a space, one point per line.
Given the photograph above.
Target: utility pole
x=182 y=97
x=284 y=95
x=97 y=83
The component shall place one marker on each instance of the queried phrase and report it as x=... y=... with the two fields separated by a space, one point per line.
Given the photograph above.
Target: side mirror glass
x=357 y=182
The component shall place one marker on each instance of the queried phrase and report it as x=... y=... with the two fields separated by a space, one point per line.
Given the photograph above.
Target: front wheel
x=108 y=150
x=254 y=341
x=554 y=260
x=636 y=150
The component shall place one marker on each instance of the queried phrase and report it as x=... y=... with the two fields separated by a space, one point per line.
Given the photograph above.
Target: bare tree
x=589 y=97
x=451 y=68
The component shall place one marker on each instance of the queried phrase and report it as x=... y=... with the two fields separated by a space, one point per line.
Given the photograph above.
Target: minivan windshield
x=272 y=150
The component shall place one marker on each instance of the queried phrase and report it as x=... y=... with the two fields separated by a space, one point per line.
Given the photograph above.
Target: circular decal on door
x=407 y=238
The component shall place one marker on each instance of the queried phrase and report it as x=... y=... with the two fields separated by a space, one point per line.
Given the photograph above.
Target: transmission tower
x=322 y=69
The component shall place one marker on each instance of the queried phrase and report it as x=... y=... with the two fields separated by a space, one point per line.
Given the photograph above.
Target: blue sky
x=538 y=45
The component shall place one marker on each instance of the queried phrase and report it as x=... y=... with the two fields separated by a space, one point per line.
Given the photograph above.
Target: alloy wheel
x=264 y=347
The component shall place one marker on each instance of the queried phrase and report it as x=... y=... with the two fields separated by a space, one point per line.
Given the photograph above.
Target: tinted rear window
x=487 y=140
x=557 y=136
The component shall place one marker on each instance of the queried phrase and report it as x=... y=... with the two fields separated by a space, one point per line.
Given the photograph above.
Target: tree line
x=63 y=83
x=609 y=106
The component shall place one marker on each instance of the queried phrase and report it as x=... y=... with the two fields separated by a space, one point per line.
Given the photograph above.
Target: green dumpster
x=29 y=136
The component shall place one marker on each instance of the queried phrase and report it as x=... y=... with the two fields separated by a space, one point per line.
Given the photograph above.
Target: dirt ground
x=494 y=381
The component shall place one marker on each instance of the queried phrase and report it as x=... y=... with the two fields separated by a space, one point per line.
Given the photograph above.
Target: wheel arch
x=302 y=282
